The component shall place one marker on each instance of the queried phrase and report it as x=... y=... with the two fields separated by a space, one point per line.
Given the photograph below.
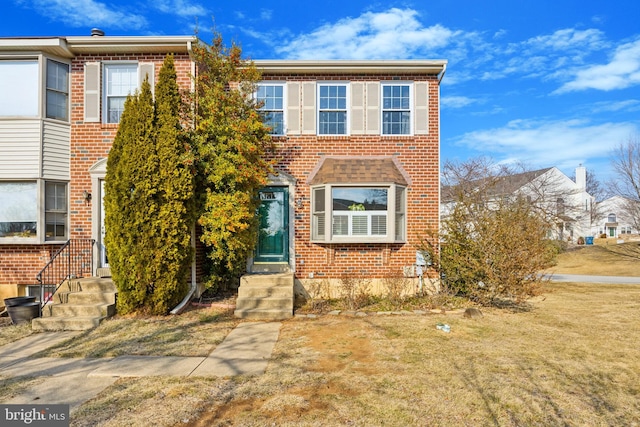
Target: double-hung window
x=358 y=214
x=120 y=80
x=396 y=109
x=57 y=90
x=55 y=211
x=271 y=100
x=332 y=108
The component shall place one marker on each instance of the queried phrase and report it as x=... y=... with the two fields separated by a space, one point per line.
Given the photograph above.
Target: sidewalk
x=245 y=351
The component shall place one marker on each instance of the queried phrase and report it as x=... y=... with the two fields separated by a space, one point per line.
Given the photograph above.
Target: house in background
x=357 y=156
x=565 y=202
x=615 y=218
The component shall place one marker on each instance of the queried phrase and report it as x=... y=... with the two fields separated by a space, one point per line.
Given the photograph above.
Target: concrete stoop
x=265 y=297
x=79 y=304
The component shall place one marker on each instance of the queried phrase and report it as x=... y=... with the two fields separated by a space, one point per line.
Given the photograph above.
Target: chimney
x=581 y=177
x=97 y=32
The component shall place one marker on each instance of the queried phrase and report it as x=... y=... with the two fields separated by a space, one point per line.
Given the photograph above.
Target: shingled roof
x=358 y=170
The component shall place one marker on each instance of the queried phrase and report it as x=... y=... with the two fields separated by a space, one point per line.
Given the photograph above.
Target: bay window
x=358 y=214
x=19 y=211
x=57 y=90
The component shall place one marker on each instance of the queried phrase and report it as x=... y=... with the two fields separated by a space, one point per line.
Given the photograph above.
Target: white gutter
x=194 y=286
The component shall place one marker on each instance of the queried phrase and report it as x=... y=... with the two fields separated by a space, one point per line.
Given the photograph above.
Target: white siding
x=20 y=149
x=56 y=138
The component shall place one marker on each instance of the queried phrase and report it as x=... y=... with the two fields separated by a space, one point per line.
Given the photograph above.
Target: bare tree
x=626 y=165
x=493 y=237
x=625 y=160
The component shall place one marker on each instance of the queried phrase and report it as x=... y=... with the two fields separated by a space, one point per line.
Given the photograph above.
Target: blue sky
x=546 y=83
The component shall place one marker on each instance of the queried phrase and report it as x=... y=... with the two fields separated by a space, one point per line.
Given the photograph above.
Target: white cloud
x=544 y=143
x=622 y=71
x=615 y=106
x=182 y=8
x=392 y=34
x=86 y=13
x=456 y=101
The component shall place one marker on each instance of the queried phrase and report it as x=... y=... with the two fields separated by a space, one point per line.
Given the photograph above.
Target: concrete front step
x=264 y=303
x=65 y=323
x=91 y=297
x=79 y=310
x=261 y=314
x=79 y=304
x=261 y=291
x=265 y=296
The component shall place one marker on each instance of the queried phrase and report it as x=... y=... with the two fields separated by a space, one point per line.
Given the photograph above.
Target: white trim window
x=55 y=210
x=57 y=97
x=396 y=108
x=19 y=209
x=359 y=214
x=120 y=80
x=332 y=108
x=20 y=88
x=271 y=100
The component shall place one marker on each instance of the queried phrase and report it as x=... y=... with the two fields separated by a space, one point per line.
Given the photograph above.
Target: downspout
x=193 y=286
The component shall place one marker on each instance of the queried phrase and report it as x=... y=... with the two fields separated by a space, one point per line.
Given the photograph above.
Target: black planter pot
x=23 y=313
x=16 y=301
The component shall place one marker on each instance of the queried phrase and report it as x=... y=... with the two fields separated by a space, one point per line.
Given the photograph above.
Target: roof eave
x=142 y=44
x=302 y=66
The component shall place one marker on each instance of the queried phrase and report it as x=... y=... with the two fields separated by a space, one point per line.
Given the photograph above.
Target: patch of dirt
x=339 y=347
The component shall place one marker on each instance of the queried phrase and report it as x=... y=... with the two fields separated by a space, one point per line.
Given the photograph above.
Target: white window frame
x=62 y=91
x=384 y=110
x=21 y=85
x=275 y=110
x=323 y=215
x=107 y=96
x=56 y=210
x=320 y=110
x=41 y=219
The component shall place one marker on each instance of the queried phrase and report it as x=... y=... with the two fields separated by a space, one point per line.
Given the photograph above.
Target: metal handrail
x=74 y=259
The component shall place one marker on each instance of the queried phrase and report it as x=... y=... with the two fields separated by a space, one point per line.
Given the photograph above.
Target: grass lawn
x=570 y=358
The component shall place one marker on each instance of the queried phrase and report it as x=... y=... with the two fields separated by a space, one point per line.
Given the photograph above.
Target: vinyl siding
x=20 y=149
x=55 y=151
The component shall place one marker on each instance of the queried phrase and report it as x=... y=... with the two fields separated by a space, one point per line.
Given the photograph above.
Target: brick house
x=357 y=156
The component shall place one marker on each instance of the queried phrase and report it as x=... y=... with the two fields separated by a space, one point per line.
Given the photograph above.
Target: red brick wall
x=419 y=157
x=91 y=142
x=19 y=264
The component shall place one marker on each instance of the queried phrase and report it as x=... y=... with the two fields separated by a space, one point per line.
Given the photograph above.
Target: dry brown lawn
x=605 y=258
x=570 y=358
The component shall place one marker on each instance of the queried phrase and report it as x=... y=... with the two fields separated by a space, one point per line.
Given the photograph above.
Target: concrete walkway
x=245 y=351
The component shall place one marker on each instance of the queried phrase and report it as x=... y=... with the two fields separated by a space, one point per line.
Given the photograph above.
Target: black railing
x=73 y=260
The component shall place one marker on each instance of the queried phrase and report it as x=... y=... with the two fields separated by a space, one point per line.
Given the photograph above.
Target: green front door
x=273 y=238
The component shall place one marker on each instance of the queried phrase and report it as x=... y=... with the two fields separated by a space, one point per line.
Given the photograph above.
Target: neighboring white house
x=615 y=218
x=565 y=201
